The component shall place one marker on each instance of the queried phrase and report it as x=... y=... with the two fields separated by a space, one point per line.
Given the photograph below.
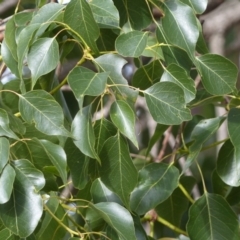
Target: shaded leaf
x=117 y=171
x=4 y=150
x=40 y=107
x=139 y=230
x=165 y=109
x=211 y=217
x=233 y=126
x=123 y=118
x=156 y=181
x=131 y=44
x=106 y=40
x=201 y=43
x=219 y=75
x=198 y=6
x=219 y=187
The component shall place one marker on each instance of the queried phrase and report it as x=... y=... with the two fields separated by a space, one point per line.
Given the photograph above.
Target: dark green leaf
x=166 y=110
x=156 y=182
x=40 y=107
x=219 y=75
x=233 y=126
x=118 y=218
x=131 y=44
x=6 y=183
x=4 y=150
x=139 y=230
x=198 y=6
x=106 y=40
x=117 y=171
x=201 y=43
x=123 y=118
x=219 y=187
x=211 y=217
x=79 y=17
x=105 y=13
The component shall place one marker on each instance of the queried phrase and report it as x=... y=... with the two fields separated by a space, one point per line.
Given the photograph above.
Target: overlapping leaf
x=4 y=150
x=198 y=6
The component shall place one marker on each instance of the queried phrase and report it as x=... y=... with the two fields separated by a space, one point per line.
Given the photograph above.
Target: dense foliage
x=85 y=176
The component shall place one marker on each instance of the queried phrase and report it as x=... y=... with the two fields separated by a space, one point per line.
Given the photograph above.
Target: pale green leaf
x=153 y=48
x=131 y=44
x=4 y=150
x=156 y=181
x=123 y=118
x=198 y=6
x=166 y=103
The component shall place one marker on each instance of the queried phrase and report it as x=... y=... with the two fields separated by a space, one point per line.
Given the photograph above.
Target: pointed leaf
x=41 y=108
x=156 y=181
x=31 y=173
x=105 y=13
x=198 y=6
x=79 y=17
x=166 y=110
x=219 y=75
x=4 y=150
x=83 y=134
x=123 y=118
x=118 y=218
x=6 y=183
x=117 y=171
x=43 y=57
x=174 y=73
x=211 y=217
x=131 y=44
x=23 y=211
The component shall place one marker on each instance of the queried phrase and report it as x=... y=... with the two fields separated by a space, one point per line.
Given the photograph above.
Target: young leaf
x=4 y=150
x=79 y=17
x=43 y=57
x=211 y=217
x=117 y=171
x=123 y=118
x=166 y=110
x=105 y=13
x=219 y=75
x=41 y=108
x=118 y=218
x=156 y=181
x=131 y=44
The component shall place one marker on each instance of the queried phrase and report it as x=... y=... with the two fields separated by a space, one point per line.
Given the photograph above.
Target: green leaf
x=118 y=218
x=219 y=187
x=6 y=183
x=233 y=126
x=139 y=230
x=105 y=13
x=123 y=118
x=211 y=217
x=153 y=48
x=79 y=17
x=139 y=19
x=4 y=126
x=147 y=75
x=6 y=234
x=4 y=150
x=43 y=57
x=83 y=82
x=131 y=44
x=23 y=211
x=156 y=181
x=180 y=34
x=41 y=108
x=219 y=75
x=201 y=47
x=16 y=124
x=166 y=110
x=106 y=40
x=31 y=173
x=117 y=171
x=83 y=133
x=198 y=6
x=176 y=74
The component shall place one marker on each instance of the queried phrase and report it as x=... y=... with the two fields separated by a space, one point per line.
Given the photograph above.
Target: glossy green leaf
x=40 y=107
x=211 y=217
x=79 y=17
x=100 y=193
x=219 y=75
x=23 y=211
x=174 y=73
x=156 y=181
x=198 y=6
x=105 y=13
x=117 y=171
x=147 y=75
x=83 y=133
x=123 y=118
x=43 y=57
x=131 y=44
x=6 y=183
x=4 y=150
x=180 y=34
x=118 y=218
x=233 y=126
x=83 y=82
x=166 y=110
x=31 y=173
x=4 y=125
